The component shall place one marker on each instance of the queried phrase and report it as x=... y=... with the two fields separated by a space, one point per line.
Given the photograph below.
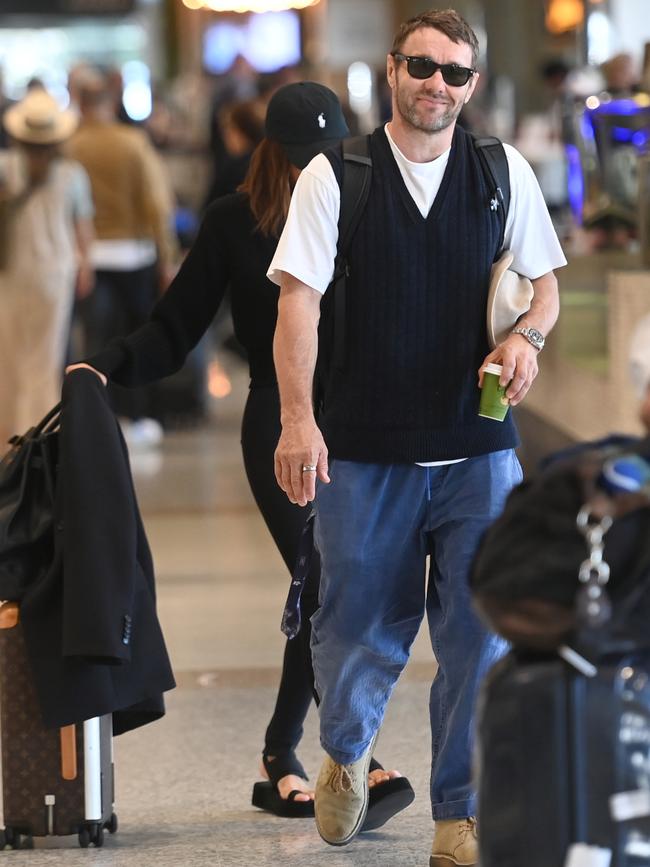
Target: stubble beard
x=408 y=110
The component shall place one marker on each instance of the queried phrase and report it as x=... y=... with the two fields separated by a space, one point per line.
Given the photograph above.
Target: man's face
x=429 y=105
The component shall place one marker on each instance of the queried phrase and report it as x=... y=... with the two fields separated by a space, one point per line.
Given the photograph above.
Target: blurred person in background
x=135 y=250
x=555 y=75
x=160 y=123
x=234 y=248
x=5 y=103
x=46 y=216
x=242 y=127
x=115 y=83
x=35 y=83
x=622 y=75
x=239 y=84
x=644 y=408
x=542 y=137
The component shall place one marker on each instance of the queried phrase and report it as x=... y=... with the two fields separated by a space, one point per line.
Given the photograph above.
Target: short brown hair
x=268 y=187
x=447 y=21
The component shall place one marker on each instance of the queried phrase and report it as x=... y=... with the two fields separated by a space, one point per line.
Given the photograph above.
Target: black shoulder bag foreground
x=27 y=486
x=569 y=558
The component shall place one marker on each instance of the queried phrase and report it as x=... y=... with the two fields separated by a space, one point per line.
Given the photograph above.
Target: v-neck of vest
x=407 y=198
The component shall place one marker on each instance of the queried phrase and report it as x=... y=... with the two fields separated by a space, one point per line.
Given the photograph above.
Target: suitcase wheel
x=13 y=838
x=112 y=825
x=91 y=833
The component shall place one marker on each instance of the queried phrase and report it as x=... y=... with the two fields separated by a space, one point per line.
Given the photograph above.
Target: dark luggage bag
x=564 y=763
x=55 y=782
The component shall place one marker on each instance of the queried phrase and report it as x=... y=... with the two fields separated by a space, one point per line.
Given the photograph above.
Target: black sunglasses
x=425 y=67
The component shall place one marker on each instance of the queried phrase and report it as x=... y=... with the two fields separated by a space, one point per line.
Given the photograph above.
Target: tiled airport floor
x=184 y=783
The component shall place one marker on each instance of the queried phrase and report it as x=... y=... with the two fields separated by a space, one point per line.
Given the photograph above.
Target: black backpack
x=355 y=189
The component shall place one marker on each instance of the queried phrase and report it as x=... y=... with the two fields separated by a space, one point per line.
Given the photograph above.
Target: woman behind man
x=45 y=231
x=234 y=248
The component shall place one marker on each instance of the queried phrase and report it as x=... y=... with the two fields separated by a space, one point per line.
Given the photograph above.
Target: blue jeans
x=375 y=525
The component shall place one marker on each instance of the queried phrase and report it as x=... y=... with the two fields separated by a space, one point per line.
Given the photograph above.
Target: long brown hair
x=268 y=187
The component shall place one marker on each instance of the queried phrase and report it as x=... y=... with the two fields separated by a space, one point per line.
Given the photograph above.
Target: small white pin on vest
x=322 y=123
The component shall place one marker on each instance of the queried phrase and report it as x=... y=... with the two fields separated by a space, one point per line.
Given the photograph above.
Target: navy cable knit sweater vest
x=415 y=320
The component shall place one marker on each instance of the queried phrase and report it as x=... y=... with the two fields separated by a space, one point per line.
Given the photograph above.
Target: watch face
x=536 y=336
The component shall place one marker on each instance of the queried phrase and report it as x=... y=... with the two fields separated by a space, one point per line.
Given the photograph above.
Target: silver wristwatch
x=532 y=335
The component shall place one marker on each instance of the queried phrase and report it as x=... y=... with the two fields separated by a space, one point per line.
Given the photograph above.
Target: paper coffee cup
x=494 y=403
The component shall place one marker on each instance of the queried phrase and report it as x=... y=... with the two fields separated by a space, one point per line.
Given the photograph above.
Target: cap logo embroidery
x=322 y=123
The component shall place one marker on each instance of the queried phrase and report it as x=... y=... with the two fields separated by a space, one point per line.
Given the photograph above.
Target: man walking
x=405 y=466
x=135 y=248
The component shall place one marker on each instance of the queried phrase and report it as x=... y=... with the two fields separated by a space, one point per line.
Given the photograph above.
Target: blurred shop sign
x=67 y=7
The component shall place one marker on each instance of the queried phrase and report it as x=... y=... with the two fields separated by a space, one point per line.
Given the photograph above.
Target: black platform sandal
x=387 y=799
x=266 y=795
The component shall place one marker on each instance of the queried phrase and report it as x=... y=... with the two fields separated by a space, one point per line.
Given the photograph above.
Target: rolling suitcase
x=564 y=763
x=55 y=782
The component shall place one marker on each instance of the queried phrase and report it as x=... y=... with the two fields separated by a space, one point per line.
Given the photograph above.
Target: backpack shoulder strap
x=493 y=158
x=355 y=189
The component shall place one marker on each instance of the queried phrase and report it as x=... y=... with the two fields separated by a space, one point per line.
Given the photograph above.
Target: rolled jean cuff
x=454 y=810
x=342 y=758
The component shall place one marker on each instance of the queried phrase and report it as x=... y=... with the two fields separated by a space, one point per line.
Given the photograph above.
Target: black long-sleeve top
x=229 y=252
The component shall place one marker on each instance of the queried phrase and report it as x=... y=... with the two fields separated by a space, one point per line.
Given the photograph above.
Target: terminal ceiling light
x=249 y=5
x=563 y=15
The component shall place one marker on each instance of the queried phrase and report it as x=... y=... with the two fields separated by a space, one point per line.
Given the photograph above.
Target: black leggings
x=285 y=520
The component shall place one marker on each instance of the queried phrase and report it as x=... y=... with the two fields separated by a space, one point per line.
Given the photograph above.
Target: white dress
x=37 y=288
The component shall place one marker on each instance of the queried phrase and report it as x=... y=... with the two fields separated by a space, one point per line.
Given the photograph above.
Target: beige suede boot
x=341 y=799
x=455 y=843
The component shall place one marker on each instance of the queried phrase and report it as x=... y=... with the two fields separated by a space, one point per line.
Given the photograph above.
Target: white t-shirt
x=122 y=254
x=307 y=246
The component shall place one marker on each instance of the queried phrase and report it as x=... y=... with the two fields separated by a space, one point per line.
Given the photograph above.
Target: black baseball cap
x=305 y=118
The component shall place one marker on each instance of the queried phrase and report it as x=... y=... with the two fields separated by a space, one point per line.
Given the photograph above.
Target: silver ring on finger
x=309 y=468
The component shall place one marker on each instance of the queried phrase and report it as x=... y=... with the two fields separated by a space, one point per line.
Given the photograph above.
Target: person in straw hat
x=45 y=229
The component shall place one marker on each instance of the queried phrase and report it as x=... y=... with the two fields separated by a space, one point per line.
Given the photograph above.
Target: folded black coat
x=90 y=621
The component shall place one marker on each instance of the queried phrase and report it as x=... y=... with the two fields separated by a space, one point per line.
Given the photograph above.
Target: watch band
x=532 y=335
